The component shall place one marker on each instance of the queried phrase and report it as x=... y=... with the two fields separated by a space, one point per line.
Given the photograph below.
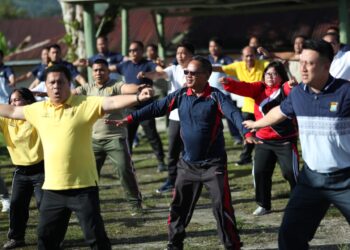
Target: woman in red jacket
x=276 y=143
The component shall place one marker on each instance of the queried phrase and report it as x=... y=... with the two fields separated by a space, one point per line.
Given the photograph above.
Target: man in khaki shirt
x=109 y=140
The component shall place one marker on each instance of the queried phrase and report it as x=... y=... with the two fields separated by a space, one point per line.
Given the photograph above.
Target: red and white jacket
x=265 y=97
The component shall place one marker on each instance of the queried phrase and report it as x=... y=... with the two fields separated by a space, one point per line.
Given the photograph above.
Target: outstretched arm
x=154 y=75
x=123 y=101
x=14 y=112
x=132 y=88
x=273 y=117
x=80 y=79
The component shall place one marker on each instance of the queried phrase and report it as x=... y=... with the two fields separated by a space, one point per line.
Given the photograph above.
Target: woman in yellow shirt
x=24 y=146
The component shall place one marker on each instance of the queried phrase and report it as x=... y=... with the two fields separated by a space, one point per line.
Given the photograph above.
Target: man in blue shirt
x=204 y=159
x=129 y=69
x=103 y=52
x=55 y=56
x=7 y=80
x=321 y=105
x=39 y=69
x=217 y=58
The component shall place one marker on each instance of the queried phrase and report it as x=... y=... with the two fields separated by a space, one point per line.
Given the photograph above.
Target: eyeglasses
x=192 y=73
x=272 y=74
x=133 y=50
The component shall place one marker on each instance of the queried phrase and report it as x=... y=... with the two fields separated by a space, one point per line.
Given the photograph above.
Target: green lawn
x=150 y=231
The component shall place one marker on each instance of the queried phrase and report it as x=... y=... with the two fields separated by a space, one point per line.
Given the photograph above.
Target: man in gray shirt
x=109 y=140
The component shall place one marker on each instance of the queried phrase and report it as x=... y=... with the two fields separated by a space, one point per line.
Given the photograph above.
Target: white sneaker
x=261 y=211
x=5 y=205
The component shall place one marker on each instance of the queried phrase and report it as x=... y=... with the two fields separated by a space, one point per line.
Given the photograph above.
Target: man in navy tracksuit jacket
x=204 y=158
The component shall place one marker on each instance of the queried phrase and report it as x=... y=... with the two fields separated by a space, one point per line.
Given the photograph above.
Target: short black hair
x=153 y=46
x=139 y=44
x=280 y=69
x=54 y=46
x=26 y=94
x=217 y=40
x=102 y=37
x=58 y=68
x=297 y=36
x=205 y=64
x=188 y=46
x=1 y=53
x=322 y=47
x=336 y=35
x=100 y=61
x=335 y=28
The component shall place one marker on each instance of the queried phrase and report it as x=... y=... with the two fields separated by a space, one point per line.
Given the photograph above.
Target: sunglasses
x=133 y=50
x=192 y=73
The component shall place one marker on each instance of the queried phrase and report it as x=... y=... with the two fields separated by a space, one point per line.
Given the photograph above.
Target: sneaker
x=14 y=244
x=261 y=211
x=136 y=210
x=241 y=163
x=166 y=187
x=162 y=167
x=5 y=205
x=238 y=142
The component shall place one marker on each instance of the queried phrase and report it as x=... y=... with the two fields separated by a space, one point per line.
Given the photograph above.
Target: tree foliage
x=9 y=11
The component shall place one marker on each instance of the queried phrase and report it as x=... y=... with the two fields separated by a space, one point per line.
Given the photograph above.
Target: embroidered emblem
x=333 y=107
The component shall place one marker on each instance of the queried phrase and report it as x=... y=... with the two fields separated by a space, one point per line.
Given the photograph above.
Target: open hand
x=140 y=75
x=253 y=140
x=249 y=124
x=223 y=80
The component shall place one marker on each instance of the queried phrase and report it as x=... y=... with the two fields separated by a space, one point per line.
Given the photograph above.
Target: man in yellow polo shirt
x=248 y=70
x=64 y=124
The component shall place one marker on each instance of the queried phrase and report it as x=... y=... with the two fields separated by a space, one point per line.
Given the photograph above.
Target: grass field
x=150 y=231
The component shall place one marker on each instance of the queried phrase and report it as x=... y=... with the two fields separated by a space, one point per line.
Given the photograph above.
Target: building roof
x=274 y=29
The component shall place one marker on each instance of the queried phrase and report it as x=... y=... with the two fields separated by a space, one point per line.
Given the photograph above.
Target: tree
x=9 y=11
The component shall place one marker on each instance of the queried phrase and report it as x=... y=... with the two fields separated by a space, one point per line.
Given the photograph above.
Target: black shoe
x=171 y=246
x=241 y=163
x=11 y=244
x=166 y=187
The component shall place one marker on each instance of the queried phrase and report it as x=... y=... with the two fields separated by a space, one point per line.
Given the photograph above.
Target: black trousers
x=55 y=211
x=246 y=154
x=26 y=181
x=175 y=148
x=265 y=159
x=188 y=187
x=234 y=132
x=149 y=126
x=309 y=203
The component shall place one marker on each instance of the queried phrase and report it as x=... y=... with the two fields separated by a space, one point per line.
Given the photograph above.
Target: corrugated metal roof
x=142 y=28
x=16 y=30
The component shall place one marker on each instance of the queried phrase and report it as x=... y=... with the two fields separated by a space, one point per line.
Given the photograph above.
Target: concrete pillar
x=89 y=31
x=125 y=31
x=161 y=34
x=344 y=30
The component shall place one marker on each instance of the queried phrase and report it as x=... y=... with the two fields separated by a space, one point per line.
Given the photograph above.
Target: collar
x=206 y=92
x=274 y=87
x=330 y=81
x=67 y=103
x=107 y=84
x=212 y=60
